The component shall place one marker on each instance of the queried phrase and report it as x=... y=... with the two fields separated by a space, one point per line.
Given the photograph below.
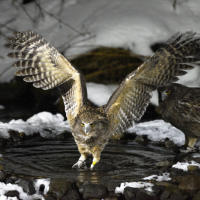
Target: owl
x=92 y=126
x=180 y=105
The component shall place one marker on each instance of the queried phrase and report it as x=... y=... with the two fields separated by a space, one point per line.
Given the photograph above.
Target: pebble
x=27 y=185
x=93 y=191
x=12 y=193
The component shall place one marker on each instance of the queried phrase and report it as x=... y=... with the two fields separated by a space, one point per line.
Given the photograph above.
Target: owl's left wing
x=130 y=100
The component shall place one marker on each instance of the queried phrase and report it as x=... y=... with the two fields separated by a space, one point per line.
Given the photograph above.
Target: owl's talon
x=78 y=164
x=189 y=149
x=91 y=167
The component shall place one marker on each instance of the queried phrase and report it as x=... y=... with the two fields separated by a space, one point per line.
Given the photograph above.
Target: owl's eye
x=91 y=125
x=82 y=124
x=167 y=92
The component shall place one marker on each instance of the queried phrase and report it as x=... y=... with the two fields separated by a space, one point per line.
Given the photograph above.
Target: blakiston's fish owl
x=92 y=126
x=181 y=107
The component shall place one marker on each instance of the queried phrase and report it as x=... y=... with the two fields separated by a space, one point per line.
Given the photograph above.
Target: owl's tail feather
x=41 y=63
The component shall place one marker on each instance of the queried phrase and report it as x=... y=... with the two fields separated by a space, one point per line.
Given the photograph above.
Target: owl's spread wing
x=128 y=103
x=43 y=65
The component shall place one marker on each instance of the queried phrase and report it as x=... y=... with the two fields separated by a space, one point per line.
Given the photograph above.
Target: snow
x=49 y=125
x=145 y=185
x=45 y=123
x=158 y=130
x=100 y=93
x=184 y=165
x=163 y=177
x=8 y=187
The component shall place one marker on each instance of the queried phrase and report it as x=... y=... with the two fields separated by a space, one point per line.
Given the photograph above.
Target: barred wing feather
x=130 y=100
x=43 y=65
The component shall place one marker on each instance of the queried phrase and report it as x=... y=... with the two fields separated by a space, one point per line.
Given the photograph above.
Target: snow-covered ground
x=132 y=24
x=8 y=187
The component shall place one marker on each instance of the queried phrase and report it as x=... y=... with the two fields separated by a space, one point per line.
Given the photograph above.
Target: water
x=54 y=159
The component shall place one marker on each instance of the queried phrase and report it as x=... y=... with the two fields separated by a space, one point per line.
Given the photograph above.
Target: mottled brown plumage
x=181 y=107
x=92 y=126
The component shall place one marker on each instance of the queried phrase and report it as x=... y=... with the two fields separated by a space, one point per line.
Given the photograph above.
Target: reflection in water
x=54 y=159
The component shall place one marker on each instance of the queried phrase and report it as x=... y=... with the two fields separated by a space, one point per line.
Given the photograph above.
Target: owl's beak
x=161 y=95
x=87 y=128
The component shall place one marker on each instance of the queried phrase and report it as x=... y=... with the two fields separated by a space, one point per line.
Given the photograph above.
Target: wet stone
x=158 y=189
x=72 y=195
x=193 y=168
x=103 y=167
x=183 y=157
x=41 y=188
x=189 y=182
x=2 y=176
x=165 y=163
x=59 y=187
x=27 y=185
x=93 y=191
x=12 y=193
x=141 y=139
x=197 y=196
x=144 y=195
x=165 y=194
x=111 y=186
x=169 y=144
x=50 y=198
x=130 y=193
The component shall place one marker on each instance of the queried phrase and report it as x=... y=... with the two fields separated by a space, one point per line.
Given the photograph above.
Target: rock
x=183 y=157
x=189 y=182
x=11 y=180
x=104 y=167
x=12 y=193
x=72 y=195
x=144 y=195
x=169 y=144
x=41 y=188
x=50 y=198
x=165 y=194
x=197 y=196
x=130 y=193
x=158 y=189
x=193 y=168
x=2 y=176
x=27 y=185
x=175 y=172
x=59 y=187
x=111 y=186
x=93 y=191
x=141 y=139
x=165 y=163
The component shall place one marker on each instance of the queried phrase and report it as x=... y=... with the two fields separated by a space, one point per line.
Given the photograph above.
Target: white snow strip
x=146 y=186
x=45 y=123
x=163 y=177
x=184 y=165
x=24 y=196
x=158 y=130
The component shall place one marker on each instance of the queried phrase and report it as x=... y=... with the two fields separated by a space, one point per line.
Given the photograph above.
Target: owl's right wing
x=43 y=65
x=130 y=100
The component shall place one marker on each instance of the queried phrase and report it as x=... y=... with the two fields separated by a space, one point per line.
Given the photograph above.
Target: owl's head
x=91 y=123
x=170 y=93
